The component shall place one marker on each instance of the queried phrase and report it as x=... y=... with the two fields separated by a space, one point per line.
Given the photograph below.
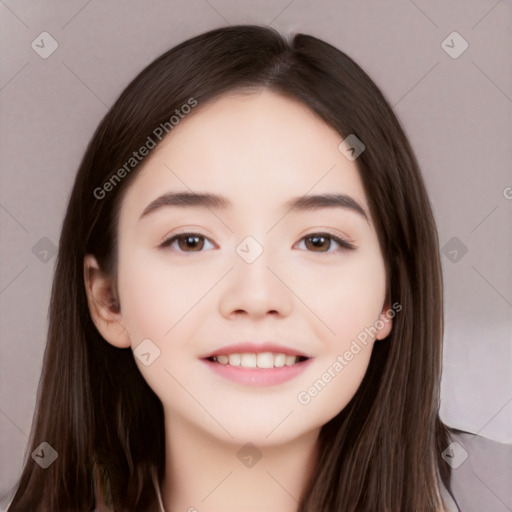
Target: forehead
x=258 y=148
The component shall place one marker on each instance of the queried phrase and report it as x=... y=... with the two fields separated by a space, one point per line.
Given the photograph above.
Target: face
x=196 y=280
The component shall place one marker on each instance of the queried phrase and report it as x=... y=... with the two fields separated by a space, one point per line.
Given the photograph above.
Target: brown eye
x=318 y=243
x=186 y=242
x=193 y=242
x=322 y=242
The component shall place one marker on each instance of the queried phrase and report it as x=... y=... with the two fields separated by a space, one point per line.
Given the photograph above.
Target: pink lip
x=255 y=348
x=258 y=376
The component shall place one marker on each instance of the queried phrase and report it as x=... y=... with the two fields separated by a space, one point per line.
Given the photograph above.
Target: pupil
x=318 y=241
x=190 y=242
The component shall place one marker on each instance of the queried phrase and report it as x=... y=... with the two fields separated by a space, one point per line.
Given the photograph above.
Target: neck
x=206 y=474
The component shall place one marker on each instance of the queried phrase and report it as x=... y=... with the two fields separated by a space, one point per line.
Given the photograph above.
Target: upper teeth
x=261 y=360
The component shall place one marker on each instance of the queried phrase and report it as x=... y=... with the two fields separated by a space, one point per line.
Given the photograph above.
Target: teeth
x=261 y=360
x=248 y=360
x=279 y=360
x=265 y=360
x=290 y=360
x=234 y=359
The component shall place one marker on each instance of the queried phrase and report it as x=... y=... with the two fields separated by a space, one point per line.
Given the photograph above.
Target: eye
x=315 y=242
x=187 y=242
x=318 y=241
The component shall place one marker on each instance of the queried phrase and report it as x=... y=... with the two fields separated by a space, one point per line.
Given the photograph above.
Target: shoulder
x=480 y=472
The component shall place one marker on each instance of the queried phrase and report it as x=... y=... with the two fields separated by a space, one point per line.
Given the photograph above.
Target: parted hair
x=382 y=452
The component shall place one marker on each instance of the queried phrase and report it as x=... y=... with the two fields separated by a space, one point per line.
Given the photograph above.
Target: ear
x=386 y=318
x=103 y=304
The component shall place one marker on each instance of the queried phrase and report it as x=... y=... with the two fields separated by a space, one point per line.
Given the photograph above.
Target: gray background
x=456 y=112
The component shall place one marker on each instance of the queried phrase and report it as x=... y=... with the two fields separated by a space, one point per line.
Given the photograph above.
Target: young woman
x=247 y=310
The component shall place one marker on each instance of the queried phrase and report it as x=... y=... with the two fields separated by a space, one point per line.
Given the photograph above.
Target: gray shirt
x=481 y=474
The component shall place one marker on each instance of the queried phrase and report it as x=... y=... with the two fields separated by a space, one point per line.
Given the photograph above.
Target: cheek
x=335 y=385
x=164 y=305
x=346 y=297
x=161 y=305
x=156 y=297
x=338 y=373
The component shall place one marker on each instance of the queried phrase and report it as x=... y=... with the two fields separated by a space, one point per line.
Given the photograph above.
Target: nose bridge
x=253 y=286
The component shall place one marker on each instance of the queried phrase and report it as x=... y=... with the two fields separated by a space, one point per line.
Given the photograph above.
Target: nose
x=255 y=290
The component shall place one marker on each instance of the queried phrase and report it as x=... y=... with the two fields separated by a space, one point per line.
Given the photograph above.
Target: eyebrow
x=218 y=202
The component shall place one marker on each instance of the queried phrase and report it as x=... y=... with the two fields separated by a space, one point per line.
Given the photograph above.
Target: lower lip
x=258 y=376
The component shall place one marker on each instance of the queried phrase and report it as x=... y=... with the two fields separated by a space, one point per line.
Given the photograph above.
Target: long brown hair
x=383 y=451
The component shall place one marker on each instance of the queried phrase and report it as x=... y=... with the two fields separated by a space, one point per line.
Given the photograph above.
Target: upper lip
x=251 y=347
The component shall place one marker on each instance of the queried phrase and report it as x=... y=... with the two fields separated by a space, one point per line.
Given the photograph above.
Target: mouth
x=261 y=360
x=250 y=364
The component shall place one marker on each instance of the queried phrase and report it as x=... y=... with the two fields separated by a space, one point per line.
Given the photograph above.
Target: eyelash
x=344 y=245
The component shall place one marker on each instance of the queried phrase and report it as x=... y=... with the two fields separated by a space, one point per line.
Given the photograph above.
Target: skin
x=258 y=150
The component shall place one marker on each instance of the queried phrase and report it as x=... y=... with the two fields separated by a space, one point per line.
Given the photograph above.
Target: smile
x=262 y=369
x=260 y=360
